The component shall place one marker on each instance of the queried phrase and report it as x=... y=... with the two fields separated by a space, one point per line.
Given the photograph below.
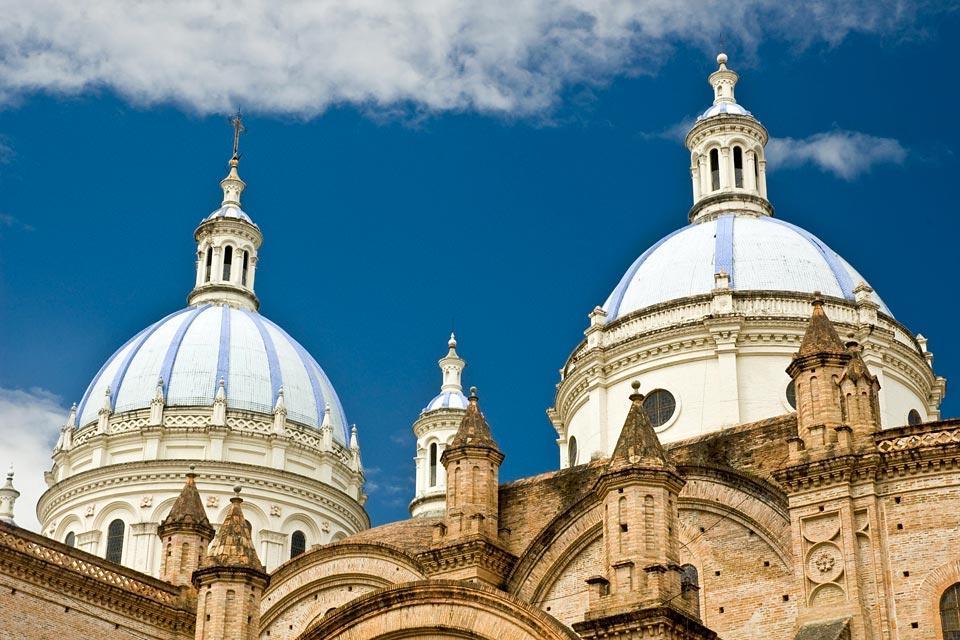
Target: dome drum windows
x=298 y=544
x=227 y=262
x=434 y=456
x=950 y=612
x=572 y=451
x=914 y=418
x=738 y=167
x=208 y=267
x=115 y=534
x=714 y=169
x=660 y=407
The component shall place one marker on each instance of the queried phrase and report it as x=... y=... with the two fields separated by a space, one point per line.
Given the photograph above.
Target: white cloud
x=499 y=56
x=29 y=425
x=846 y=154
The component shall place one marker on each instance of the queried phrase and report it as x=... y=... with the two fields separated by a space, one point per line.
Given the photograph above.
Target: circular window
x=792 y=394
x=660 y=406
x=913 y=417
x=572 y=452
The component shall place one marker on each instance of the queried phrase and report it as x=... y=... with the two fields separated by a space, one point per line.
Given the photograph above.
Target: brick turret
x=185 y=534
x=641 y=590
x=231 y=582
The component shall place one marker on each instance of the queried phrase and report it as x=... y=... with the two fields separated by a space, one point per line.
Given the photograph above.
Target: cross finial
x=238 y=128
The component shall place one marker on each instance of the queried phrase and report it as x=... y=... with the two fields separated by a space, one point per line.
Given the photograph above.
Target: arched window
x=950 y=613
x=572 y=451
x=246 y=268
x=660 y=406
x=689 y=577
x=209 y=267
x=738 y=167
x=115 y=541
x=70 y=540
x=714 y=169
x=298 y=543
x=792 y=394
x=433 y=464
x=227 y=262
x=913 y=418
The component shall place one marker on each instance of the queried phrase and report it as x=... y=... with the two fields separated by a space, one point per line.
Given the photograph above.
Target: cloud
x=846 y=154
x=7 y=220
x=499 y=56
x=29 y=425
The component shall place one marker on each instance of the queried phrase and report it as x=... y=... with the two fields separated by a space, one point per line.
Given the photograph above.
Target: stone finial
x=473 y=430
x=451 y=366
x=8 y=497
x=354 y=442
x=638 y=443
x=821 y=336
x=233 y=545
x=327 y=421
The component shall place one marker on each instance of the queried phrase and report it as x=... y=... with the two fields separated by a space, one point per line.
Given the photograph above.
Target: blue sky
x=507 y=200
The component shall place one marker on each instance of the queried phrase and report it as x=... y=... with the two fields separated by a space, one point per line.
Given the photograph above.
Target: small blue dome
x=191 y=350
x=730 y=108
x=230 y=211
x=448 y=400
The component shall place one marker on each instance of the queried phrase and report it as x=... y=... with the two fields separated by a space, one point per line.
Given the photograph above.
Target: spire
x=233 y=546
x=232 y=185
x=354 y=442
x=188 y=509
x=219 y=418
x=638 y=443
x=856 y=368
x=327 y=421
x=821 y=336
x=452 y=366
x=72 y=417
x=473 y=430
x=8 y=496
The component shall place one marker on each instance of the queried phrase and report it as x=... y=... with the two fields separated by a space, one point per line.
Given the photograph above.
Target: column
x=749 y=171
x=89 y=541
x=704 y=164
x=272 y=547
x=763 y=178
x=143 y=541
x=726 y=168
x=695 y=178
x=725 y=333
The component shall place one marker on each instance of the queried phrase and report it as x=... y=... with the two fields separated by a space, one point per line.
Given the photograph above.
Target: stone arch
x=927 y=602
x=163 y=509
x=69 y=523
x=438 y=608
x=117 y=509
x=328 y=577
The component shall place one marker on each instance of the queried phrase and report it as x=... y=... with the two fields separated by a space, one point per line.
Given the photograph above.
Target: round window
x=660 y=406
x=572 y=451
x=792 y=394
x=914 y=417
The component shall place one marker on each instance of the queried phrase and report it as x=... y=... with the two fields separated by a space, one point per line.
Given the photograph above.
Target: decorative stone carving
x=146 y=501
x=275 y=510
x=88 y=512
x=213 y=501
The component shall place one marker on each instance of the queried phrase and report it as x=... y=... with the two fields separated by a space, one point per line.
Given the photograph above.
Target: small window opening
x=208 y=268
x=246 y=268
x=433 y=464
x=298 y=543
x=572 y=451
x=70 y=540
x=714 y=169
x=227 y=263
x=115 y=541
x=913 y=418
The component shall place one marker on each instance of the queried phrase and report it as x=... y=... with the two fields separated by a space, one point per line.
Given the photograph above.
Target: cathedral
x=749 y=445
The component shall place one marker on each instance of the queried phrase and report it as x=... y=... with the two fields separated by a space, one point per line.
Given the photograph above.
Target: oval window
x=660 y=406
x=572 y=451
x=913 y=418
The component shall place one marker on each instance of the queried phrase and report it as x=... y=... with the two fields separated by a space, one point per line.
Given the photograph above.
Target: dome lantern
x=227 y=244
x=727 y=162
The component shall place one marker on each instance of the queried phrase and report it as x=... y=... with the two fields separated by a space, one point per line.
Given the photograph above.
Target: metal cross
x=238 y=128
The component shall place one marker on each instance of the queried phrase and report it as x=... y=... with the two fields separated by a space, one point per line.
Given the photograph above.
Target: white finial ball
x=722 y=58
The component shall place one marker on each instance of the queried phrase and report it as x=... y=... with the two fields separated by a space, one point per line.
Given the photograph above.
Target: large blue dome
x=192 y=349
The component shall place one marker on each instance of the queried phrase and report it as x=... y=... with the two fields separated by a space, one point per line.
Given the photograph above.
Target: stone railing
x=30 y=544
x=931 y=434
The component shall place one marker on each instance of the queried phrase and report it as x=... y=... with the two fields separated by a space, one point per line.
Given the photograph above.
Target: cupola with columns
x=727 y=163
x=434 y=430
x=227 y=245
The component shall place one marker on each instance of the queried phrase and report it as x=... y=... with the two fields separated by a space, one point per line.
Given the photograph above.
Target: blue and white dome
x=192 y=349
x=758 y=253
x=230 y=211
x=448 y=400
x=729 y=108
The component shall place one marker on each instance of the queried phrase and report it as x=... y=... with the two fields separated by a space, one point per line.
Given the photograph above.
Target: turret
x=816 y=370
x=184 y=534
x=227 y=244
x=230 y=582
x=8 y=497
x=727 y=162
x=859 y=397
x=436 y=426
x=641 y=590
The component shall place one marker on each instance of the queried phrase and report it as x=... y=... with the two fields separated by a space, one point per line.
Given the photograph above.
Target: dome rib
x=723 y=250
x=320 y=400
x=223 y=353
x=174 y=348
x=843 y=277
x=276 y=380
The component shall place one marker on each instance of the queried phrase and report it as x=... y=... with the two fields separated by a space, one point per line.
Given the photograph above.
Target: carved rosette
x=824 y=575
